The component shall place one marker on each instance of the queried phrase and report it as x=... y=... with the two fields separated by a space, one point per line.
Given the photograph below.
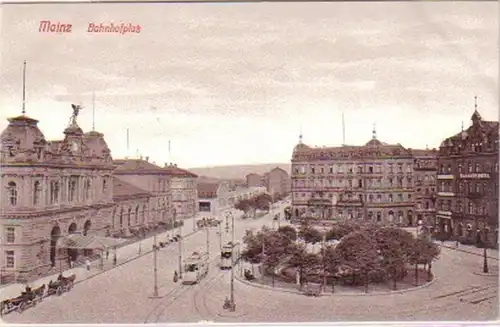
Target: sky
x=237 y=83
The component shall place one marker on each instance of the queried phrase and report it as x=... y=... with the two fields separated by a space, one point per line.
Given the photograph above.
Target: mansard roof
x=373 y=148
x=179 y=172
x=137 y=167
x=123 y=190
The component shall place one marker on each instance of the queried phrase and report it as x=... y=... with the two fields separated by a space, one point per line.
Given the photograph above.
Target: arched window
x=87 y=189
x=449 y=168
x=12 y=193
x=104 y=185
x=37 y=191
x=470 y=207
x=143 y=214
x=441 y=168
x=137 y=215
x=478 y=187
x=128 y=216
x=54 y=192
x=469 y=168
x=460 y=167
x=72 y=190
x=121 y=218
x=478 y=168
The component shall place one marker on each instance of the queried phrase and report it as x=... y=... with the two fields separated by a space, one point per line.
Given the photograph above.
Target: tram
x=195 y=268
x=229 y=252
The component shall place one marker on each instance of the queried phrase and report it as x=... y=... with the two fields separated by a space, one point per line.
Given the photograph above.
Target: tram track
x=171 y=297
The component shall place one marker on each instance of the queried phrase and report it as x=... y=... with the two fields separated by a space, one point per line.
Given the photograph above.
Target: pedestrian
x=140 y=248
x=107 y=254
x=87 y=263
x=114 y=259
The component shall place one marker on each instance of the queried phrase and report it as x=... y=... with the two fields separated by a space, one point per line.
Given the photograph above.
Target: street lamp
x=233 y=305
x=180 y=245
x=155 y=270
x=485 y=256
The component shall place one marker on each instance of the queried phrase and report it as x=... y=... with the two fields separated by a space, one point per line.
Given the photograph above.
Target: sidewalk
x=124 y=255
x=471 y=249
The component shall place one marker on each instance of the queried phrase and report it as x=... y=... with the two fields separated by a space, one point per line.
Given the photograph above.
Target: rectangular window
x=10 y=235
x=9 y=259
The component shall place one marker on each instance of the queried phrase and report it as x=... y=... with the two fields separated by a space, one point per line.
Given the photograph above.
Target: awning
x=76 y=241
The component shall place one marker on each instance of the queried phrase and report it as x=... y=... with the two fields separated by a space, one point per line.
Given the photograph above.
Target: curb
x=486 y=274
x=465 y=251
x=125 y=262
x=284 y=290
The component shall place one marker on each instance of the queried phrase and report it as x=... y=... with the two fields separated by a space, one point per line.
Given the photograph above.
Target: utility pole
x=155 y=270
x=233 y=305
x=180 y=247
x=208 y=245
x=220 y=237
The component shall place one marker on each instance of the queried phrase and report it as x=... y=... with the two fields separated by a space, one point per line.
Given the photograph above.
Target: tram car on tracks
x=195 y=268
x=229 y=250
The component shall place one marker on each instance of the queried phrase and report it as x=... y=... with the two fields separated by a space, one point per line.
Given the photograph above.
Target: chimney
x=165 y=165
x=175 y=165
x=147 y=158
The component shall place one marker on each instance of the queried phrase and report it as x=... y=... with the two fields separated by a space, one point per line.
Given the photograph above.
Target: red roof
x=207 y=190
x=137 y=167
x=123 y=190
x=179 y=172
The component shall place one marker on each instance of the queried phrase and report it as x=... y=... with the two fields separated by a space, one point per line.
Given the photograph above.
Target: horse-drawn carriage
x=248 y=275
x=28 y=298
x=61 y=285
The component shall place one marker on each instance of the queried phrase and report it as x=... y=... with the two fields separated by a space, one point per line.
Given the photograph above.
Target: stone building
x=254 y=180
x=184 y=187
x=278 y=182
x=373 y=181
x=51 y=189
x=467 y=199
x=154 y=180
x=425 y=170
x=130 y=213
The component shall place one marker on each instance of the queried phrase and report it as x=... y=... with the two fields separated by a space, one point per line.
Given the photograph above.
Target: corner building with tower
x=374 y=181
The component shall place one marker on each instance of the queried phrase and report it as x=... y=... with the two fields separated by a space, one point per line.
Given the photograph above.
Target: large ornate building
x=425 y=170
x=467 y=199
x=374 y=181
x=50 y=189
x=54 y=189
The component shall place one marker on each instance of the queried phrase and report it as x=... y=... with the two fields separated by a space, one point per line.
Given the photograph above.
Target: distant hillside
x=237 y=171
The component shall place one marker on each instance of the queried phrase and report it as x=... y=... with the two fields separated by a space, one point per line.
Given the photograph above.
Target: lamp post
x=233 y=305
x=155 y=270
x=180 y=245
x=485 y=255
x=208 y=245
x=220 y=237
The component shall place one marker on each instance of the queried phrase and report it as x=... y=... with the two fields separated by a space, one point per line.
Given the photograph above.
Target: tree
x=243 y=205
x=310 y=234
x=340 y=230
x=395 y=246
x=304 y=261
x=289 y=232
x=358 y=251
x=263 y=202
x=331 y=263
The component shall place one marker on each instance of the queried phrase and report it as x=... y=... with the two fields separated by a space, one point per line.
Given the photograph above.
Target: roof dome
x=300 y=146
x=373 y=142
x=97 y=145
x=22 y=136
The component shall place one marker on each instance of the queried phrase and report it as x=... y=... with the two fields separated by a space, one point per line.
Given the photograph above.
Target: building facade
x=467 y=198
x=278 y=182
x=425 y=171
x=374 y=181
x=51 y=189
x=184 y=186
x=152 y=179
x=254 y=180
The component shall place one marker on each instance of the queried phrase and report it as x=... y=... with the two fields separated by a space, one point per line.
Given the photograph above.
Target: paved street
x=122 y=295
